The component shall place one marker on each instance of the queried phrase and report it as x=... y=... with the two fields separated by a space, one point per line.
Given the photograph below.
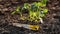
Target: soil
x=51 y=21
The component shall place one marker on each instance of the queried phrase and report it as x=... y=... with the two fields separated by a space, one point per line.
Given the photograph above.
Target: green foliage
x=38 y=4
x=17 y=10
x=44 y=2
x=34 y=9
x=26 y=6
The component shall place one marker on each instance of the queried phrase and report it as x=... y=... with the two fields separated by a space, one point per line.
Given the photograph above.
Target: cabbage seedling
x=35 y=12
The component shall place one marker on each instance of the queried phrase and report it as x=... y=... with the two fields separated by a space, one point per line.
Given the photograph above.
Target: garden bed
x=51 y=21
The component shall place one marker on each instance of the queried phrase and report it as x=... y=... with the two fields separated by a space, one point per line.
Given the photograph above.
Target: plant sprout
x=35 y=12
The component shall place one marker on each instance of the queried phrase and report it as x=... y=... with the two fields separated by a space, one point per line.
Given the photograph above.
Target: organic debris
x=32 y=27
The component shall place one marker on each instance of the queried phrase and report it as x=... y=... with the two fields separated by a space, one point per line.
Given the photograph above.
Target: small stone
x=54 y=14
x=29 y=33
x=53 y=8
x=5 y=9
x=0 y=0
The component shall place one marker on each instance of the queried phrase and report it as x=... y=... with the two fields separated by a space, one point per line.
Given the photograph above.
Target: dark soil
x=51 y=21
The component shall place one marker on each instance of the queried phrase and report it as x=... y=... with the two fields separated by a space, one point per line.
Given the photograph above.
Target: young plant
x=35 y=11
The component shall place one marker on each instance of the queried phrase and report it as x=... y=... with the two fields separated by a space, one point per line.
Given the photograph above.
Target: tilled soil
x=51 y=21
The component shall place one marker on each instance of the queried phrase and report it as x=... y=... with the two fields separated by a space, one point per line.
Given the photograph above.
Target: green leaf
x=13 y=12
x=26 y=5
x=44 y=1
x=40 y=4
x=17 y=9
x=45 y=10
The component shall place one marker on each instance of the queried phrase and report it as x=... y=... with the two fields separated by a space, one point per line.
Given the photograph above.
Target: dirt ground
x=51 y=21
